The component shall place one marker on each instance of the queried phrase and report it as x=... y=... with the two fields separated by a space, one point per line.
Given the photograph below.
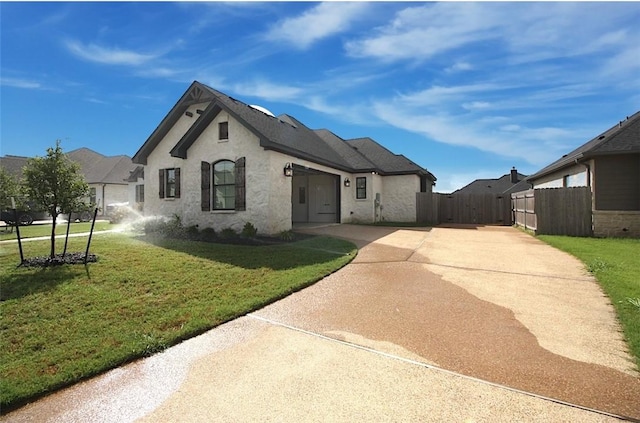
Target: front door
x=299 y=199
x=323 y=202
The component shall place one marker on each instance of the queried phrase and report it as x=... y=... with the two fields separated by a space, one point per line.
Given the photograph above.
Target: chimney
x=514 y=175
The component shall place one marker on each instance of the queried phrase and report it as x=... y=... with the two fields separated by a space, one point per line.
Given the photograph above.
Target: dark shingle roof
x=13 y=165
x=624 y=137
x=502 y=185
x=355 y=159
x=97 y=169
x=385 y=161
x=284 y=133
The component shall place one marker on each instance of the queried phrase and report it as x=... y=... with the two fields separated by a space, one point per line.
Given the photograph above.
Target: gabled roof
x=136 y=173
x=13 y=165
x=97 y=168
x=355 y=159
x=623 y=138
x=501 y=185
x=284 y=133
x=385 y=161
x=100 y=169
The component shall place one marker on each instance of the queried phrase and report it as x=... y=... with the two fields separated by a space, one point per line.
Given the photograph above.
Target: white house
x=105 y=175
x=217 y=162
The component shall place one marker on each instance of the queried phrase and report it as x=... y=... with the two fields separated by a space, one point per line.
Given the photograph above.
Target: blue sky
x=467 y=90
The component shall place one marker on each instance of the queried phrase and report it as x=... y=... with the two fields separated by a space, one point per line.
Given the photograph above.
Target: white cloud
x=459 y=67
x=321 y=21
x=441 y=95
x=110 y=56
x=267 y=90
x=537 y=146
x=527 y=32
x=20 y=83
x=476 y=105
x=421 y=32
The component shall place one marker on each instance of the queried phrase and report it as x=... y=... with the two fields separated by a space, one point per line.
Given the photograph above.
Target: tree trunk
x=66 y=239
x=53 y=237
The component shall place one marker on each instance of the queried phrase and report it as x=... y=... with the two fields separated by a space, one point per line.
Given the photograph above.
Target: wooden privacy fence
x=554 y=211
x=483 y=209
x=523 y=207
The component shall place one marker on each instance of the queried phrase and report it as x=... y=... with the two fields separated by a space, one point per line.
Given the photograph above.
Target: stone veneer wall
x=616 y=224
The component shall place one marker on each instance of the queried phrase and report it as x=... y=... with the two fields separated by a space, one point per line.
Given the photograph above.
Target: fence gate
x=482 y=209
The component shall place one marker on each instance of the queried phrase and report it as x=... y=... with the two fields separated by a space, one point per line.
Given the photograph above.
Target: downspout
x=593 y=197
x=103 y=199
x=588 y=171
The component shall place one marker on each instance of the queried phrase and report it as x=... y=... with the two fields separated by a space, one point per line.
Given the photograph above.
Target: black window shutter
x=241 y=202
x=205 y=186
x=177 y=170
x=161 y=183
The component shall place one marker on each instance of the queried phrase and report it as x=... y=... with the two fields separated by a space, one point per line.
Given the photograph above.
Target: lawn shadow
x=19 y=285
x=307 y=250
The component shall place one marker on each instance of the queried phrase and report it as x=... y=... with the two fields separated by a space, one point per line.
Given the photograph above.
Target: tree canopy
x=55 y=184
x=9 y=188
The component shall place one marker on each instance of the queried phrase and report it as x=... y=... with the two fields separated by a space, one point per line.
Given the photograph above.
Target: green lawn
x=33 y=231
x=616 y=265
x=61 y=325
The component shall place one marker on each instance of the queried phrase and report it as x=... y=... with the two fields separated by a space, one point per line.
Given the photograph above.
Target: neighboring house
x=136 y=189
x=610 y=165
x=107 y=176
x=217 y=162
x=506 y=184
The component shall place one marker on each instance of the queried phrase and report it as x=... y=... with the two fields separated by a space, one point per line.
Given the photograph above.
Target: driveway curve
x=458 y=323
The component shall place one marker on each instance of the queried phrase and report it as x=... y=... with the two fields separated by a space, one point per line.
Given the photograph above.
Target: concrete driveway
x=444 y=324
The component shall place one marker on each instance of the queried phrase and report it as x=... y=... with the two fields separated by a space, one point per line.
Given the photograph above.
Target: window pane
x=224 y=188
x=223 y=129
x=170 y=190
x=361 y=188
x=224 y=197
x=223 y=173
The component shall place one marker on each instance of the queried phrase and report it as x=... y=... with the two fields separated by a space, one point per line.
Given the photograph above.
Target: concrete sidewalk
x=448 y=324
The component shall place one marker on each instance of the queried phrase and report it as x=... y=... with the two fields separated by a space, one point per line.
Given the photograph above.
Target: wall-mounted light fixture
x=288 y=170
x=347 y=182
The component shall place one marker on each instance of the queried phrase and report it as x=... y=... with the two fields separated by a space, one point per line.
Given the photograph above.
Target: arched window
x=224 y=185
x=228 y=185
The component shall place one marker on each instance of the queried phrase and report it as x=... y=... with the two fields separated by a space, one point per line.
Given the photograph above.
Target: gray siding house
x=610 y=165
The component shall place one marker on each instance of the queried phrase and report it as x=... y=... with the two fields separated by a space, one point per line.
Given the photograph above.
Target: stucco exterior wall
x=160 y=158
x=399 y=201
x=109 y=193
x=268 y=191
x=131 y=195
x=358 y=210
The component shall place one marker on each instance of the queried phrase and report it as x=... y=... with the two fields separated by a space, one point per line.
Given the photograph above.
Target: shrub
x=154 y=226
x=249 y=231
x=287 y=236
x=193 y=232
x=208 y=234
x=228 y=233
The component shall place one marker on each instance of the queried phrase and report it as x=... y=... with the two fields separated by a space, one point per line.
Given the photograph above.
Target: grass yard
x=63 y=324
x=33 y=231
x=616 y=265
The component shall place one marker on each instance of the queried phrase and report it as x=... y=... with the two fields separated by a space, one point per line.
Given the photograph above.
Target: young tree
x=9 y=188
x=56 y=184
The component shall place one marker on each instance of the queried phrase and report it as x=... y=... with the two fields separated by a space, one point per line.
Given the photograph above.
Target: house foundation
x=612 y=223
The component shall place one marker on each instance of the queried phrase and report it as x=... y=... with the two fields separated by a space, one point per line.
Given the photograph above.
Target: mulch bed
x=59 y=259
